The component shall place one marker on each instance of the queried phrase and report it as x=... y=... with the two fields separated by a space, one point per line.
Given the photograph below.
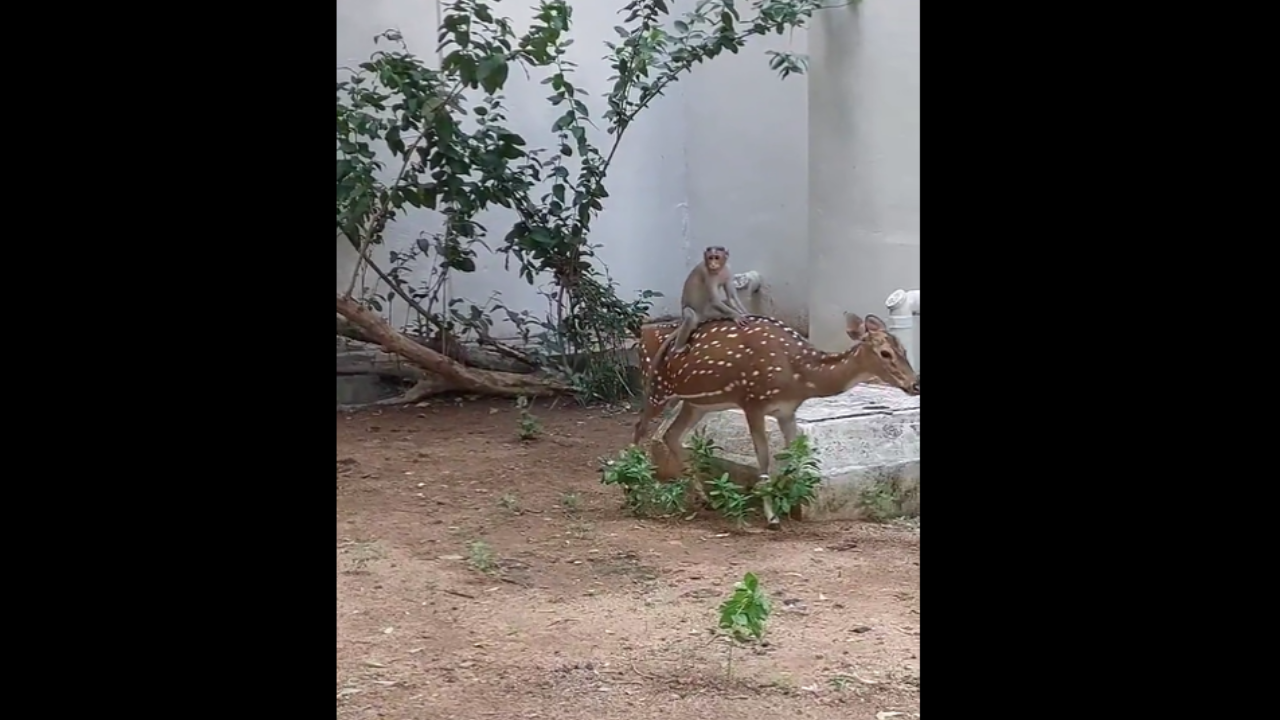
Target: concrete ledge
x=867 y=442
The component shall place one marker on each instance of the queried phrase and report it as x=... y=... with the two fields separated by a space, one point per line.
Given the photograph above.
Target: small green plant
x=510 y=503
x=878 y=503
x=744 y=614
x=644 y=495
x=571 y=503
x=530 y=427
x=668 y=498
x=480 y=557
x=797 y=479
x=702 y=455
x=729 y=500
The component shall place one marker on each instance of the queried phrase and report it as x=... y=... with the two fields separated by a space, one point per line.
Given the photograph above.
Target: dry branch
x=461 y=377
x=497 y=359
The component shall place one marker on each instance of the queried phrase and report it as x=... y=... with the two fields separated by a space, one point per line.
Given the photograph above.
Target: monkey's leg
x=688 y=323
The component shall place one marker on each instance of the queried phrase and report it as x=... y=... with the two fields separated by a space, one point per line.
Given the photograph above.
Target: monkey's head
x=715 y=258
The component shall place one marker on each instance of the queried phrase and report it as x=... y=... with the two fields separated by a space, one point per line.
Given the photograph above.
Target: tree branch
x=479 y=381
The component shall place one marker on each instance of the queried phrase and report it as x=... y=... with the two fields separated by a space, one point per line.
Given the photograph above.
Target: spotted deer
x=766 y=369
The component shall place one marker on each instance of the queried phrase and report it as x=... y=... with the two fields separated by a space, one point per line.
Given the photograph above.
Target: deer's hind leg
x=760 y=440
x=787 y=424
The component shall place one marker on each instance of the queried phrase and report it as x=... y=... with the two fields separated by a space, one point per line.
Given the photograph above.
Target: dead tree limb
x=484 y=382
x=467 y=355
x=498 y=346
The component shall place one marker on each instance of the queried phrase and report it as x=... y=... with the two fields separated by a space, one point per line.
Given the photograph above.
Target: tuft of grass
x=510 y=503
x=571 y=503
x=480 y=557
x=839 y=682
x=529 y=427
x=580 y=529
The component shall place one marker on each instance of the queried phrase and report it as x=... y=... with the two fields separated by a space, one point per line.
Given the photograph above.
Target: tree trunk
x=462 y=377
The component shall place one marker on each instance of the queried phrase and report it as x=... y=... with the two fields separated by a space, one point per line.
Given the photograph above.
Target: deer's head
x=881 y=352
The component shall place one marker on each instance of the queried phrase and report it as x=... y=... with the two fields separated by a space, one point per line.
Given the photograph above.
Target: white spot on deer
x=732 y=335
x=755 y=372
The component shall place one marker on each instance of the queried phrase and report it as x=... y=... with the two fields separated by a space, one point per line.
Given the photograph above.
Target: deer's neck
x=833 y=373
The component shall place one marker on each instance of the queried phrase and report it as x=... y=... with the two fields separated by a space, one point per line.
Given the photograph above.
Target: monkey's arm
x=726 y=309
x=731 y=294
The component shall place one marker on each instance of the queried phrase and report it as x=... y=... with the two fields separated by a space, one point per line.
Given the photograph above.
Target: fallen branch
x=485 y=339
x=486 y=382
x=470 y=356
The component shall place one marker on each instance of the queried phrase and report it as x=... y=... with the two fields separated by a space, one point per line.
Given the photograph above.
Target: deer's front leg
x=689 y=415
x=760 y=440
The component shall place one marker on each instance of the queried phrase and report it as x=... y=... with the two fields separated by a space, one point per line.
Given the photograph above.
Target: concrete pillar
x=864 y=162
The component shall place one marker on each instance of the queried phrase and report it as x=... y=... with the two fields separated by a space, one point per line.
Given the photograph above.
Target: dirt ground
x=586 y=613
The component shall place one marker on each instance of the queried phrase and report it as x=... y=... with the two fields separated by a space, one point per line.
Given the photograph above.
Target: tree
x=456 y=156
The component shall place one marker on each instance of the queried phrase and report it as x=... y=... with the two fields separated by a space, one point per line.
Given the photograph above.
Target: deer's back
x=724 y=359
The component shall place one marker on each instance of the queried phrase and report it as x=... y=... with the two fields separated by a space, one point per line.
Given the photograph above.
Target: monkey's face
x=715 y=259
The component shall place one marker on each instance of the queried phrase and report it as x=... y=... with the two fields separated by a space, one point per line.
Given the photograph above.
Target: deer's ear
x=875 y=324
x=853 y=326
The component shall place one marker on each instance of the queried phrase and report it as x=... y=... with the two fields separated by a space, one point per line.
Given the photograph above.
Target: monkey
x=700 y=302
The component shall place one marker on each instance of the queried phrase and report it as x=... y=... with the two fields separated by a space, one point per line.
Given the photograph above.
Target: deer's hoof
x=774 y=524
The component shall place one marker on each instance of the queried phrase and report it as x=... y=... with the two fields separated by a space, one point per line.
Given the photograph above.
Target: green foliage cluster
x=795 y=483
x=744 y=614
x=643 y=494
x=746 y=611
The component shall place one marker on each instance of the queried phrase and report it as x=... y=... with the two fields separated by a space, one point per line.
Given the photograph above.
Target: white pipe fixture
x=904 y=303
x=903 y=306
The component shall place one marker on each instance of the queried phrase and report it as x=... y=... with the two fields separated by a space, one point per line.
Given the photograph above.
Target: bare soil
x=586 y=613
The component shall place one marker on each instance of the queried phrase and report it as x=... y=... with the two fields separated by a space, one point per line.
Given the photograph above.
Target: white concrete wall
x=719 y=160
x=748 y=169
x=812 y=181
x=864 y=161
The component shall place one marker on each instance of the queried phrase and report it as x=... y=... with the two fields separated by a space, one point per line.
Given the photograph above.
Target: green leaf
x=492 y=73
x=394 y=142
x=681 y=26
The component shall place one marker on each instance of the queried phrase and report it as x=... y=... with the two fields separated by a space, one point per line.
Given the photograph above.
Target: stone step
x=866 y=441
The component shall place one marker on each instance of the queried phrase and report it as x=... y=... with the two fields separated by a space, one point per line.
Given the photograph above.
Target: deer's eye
x=886 y=354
